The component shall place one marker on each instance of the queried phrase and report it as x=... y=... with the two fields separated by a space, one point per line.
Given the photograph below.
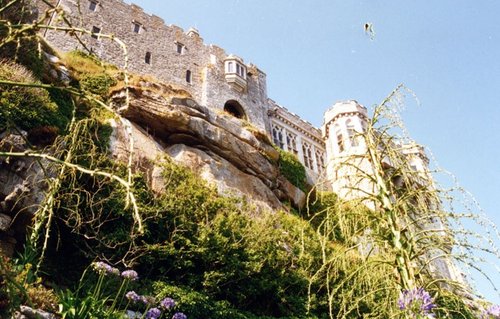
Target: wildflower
x=179 y=315
x=132 y=296
x=103 y=268
x=491 y=312
x=153 y=313
x=416 y=302
x=167 y=303
x=130 y=274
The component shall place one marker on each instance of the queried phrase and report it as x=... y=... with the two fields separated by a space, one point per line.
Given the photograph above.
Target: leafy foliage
x=27 y=107
x=292 y=169
x=216 y=255
x=93 y=75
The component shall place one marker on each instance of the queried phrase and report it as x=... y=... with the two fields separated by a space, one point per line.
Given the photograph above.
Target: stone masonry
x=221 y=81
x=213 y=77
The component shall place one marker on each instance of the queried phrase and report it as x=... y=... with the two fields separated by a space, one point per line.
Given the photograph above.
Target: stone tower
x=343 y=124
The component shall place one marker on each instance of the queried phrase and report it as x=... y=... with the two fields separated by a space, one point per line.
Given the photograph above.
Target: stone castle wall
x=299 y=137
x=207 y=65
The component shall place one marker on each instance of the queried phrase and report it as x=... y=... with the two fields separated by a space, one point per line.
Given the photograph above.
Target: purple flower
x=179 y=315
x=167 y=303
x=130 y=274
x=491 y=312
x=132 y=296
x=103 y=268
x=416 y=302
x=153 y=313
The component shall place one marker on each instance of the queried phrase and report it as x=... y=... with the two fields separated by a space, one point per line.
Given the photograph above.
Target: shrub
x=292 y=169
x=93 y=75
x=98 y=84
x=450 y=305
x=26 y=107
x=198 y=305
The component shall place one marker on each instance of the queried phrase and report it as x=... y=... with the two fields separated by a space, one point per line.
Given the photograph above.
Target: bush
x=93 y=75
x=215 y=246
x=292 y=169
x=98 y=84
x=197 y=305
x=450 y=305
x=26 y=107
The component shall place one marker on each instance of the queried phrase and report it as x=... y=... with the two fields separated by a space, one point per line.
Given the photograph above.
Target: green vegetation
x=28 y=107
x=292 y=169
x=217 y=257
x=93 y=75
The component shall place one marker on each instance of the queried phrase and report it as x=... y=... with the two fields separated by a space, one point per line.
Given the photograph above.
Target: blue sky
x=315 y=53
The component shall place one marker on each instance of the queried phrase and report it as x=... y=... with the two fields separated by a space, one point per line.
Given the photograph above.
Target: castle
x=224 y=81
x=217 y=80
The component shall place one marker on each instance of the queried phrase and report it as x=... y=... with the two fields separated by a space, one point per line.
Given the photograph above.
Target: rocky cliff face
x=160 y=121
x=222 y=149
x=22 y=189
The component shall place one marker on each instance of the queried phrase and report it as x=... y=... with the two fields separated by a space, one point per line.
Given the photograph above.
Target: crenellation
x=157 y=22
x=224 y=82
x=213 y=77
x=136 y=8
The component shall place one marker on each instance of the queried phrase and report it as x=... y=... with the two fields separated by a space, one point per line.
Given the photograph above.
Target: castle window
x=291 y=142
x=236 y=73
x=320 y=161
x=235 y=67
x=235 y=109
x=147 y=58
x=308 y=160
x=188 y=76
x=240 y=69
x=95 y=32
x=136 y=27
x=181 y=48
x=340 y=140
x=92 y=5
x=278 y=136
x=352 y=134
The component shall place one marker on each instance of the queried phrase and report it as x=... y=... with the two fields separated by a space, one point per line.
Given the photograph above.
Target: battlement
x=342 y=108
x=213 y=77
x=292 y=119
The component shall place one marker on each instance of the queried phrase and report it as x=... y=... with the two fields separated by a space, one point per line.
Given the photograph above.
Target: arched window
x=188 y=76
x=291 y=142
x=235 y=109
x=308 y=159
x=147 y=58
x=320 y=160
x=278 y=136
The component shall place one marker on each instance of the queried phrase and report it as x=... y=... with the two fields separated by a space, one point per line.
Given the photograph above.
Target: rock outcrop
x=23 y=186
x=222 y=149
